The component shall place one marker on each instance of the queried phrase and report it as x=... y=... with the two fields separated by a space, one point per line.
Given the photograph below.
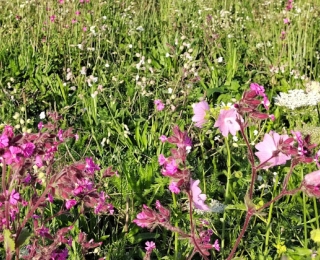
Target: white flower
x=297 y=98
x=255 y=132
x=140 y=28
x=42 y=115
x=169 y=90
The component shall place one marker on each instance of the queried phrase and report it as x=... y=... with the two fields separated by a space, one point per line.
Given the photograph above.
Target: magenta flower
x=14 y=197
x=60 y=134
x=170 y=168
x=200 y=110
x=150 y=246
x=4 y=141
x=261 y=92
x=159 y=104
x=70 y=203
x=91 y=167
x=228 y=121
x=147 y=218
x=198 y=198
x=52 y=18
x=162 y=160
x=216 y=245
x=173 y=187
x=311 y=184
x=286 y=20
x=12 y=155
x=40 y=125
x=8 y=131
x=38 y=161
x=269 y=150
x=28 y=149
x=163 y=138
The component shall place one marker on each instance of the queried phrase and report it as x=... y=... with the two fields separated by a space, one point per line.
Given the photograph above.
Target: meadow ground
x=123 y=74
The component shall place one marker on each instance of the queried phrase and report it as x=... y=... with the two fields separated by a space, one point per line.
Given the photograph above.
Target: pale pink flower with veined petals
x=269 y=150
x=228 y=122
x=198 y=198
x=200 y=110
x=311 y=184
x=150 y=246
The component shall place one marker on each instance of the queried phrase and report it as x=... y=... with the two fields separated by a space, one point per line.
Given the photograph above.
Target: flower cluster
x=31 y=157
x=297 y=98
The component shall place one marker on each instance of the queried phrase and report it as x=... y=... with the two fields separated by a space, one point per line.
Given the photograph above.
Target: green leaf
x=23 y=237
x=8 y=241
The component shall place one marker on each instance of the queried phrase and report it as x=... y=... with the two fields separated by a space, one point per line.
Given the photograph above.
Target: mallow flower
x=198 y=198
x=200 y=110
x=270 y=150
x=228 y=121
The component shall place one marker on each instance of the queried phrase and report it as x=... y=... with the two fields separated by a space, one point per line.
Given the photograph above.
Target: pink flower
x=286 y=20
x=159 y=104
x=311 y=184
x=173 y=187
x=14 y=197
x=260 y=91
x=12 y=155
x=40 y=125
x=38 y=161
x=150 y=246
x=161 y=159
x=8 y=131
x=170 y=168
x=70 y=203
x=28 y=149
x=73 y=21
x=269 y=150
x=91 y=167
x=198 y=198
x=200 y=110
x=146 y=218
x=163 y=138
x=78 y=12
x=216 y=245
x=4 y=141
x=60 y=134
x=52 y=18
x=228 y=121
x=84 y=29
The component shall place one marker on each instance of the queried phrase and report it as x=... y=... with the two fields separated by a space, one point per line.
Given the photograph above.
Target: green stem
x=269 y=221
x=226 y=195
x=176 y=235
x=304 y=217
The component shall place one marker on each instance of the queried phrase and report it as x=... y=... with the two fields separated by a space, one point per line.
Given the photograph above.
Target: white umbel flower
x=297 y=98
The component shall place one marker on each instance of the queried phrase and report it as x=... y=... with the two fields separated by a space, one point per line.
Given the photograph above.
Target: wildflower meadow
x=159 y=129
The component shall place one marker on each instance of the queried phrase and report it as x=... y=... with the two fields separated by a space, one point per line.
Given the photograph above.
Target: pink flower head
x=150 y=246
x=269 y=150
x=84 y=29
x=159 y=104
x=78 y=12
x=12 y=155
x=38 y=161
x=228 y=121
x=52 y=18
x=4 y=141
x=163 y=138
x=198 y=198
x=70 y=203
x=162 y=160
x=60 y=134
x=311 y=184
x=216 y=245
x=14 y=197
x=200 y=110
x=91 y=167
x=8 y=131
x=173 y=187
x=286 y=20
x=170 y=168
x=40 y=125
x=28 y=149
x=147 y=218
x=261 y=92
